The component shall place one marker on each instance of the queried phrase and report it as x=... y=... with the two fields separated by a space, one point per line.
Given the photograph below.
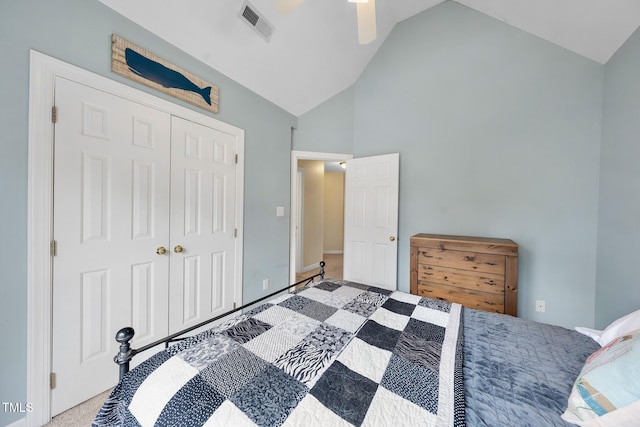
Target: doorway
x=370 y=217
x=313 y=161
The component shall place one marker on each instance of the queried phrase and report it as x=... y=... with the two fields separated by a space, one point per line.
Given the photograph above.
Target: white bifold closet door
x=111 y=213
x=144 y=211
x=202 y=223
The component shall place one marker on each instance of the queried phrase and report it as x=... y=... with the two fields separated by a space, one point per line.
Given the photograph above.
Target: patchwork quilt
x=333 y=354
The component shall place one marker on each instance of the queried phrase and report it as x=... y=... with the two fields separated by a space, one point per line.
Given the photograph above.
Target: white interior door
x=371 y=220
x=111 y=212
x=203 y=242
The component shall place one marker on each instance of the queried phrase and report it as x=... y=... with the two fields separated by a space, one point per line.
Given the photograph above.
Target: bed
x=338 y=353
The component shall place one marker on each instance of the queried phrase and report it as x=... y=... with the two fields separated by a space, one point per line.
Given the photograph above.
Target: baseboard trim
x=310 y=267
x=334 y=252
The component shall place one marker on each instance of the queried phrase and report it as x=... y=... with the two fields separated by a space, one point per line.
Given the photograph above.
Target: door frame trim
x=295 y=156
x=299 y=207
x=43 y=71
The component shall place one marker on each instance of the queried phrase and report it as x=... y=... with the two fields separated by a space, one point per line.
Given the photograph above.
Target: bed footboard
x=125 y=335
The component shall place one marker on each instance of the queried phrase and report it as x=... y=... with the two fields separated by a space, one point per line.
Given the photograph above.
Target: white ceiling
x=314 y=52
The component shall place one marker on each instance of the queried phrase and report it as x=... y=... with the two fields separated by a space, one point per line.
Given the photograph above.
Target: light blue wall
x=327 y=128
x=499 y=135
x=618 y=281
x=79 y=32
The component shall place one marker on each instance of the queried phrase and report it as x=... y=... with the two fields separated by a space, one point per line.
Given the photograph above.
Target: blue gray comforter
x=518 y=372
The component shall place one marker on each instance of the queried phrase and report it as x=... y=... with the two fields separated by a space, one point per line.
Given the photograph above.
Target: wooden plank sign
x=140 y=65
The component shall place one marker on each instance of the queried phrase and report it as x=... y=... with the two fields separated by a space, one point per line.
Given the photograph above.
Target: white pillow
x=627 y=416
x=623 y=325
x=607 y=391
x=594 y=334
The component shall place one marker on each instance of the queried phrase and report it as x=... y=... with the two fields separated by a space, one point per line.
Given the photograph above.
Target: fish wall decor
x=140 y=65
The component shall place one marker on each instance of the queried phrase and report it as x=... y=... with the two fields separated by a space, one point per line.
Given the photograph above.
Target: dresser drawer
x=471 y=280
x=493 y=302
x=474 y=261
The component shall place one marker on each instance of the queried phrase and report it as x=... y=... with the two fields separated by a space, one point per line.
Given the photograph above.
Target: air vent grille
x=250 y=16
x=256 y=20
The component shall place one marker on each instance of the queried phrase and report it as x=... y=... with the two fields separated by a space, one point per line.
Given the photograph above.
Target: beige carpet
x=81 y=415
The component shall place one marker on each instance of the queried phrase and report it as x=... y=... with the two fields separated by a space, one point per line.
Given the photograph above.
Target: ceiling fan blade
x=286 y=6
x=366 y=21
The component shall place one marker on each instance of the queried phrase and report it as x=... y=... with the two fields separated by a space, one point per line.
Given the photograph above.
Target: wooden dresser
x=477 y=272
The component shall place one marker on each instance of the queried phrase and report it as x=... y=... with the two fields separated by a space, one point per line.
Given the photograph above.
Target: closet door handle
x=178 y=249
x=161 y=250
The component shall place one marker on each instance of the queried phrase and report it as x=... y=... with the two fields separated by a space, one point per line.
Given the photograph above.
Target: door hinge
x=234 y=305
x=54 y=114
x=53 y=248
x=235 y=232
x=52 y=380
x=236 y=159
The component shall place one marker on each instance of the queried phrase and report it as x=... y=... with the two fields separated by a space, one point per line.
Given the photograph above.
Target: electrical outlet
x=265 y=284
x=540 y=306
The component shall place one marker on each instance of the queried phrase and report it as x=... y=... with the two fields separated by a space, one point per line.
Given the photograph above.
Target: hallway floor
x=332 y=269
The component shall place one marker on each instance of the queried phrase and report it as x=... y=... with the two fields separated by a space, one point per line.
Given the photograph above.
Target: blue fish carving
x=156 y=72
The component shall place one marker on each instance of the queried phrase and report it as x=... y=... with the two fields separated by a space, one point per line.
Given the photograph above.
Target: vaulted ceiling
x=314 y=53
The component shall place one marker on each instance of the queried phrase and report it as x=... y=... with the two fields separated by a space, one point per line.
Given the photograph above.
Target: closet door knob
x=392 y=238
x=178 y=249
x=161 y=250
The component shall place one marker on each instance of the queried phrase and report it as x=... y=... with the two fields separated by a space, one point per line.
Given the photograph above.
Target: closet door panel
x=202 y=229
x=110 y=214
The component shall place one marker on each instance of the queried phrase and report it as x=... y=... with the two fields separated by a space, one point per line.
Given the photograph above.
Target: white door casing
x=371 y=220
x=111 y=212
x=299 y=216
x=202 y=243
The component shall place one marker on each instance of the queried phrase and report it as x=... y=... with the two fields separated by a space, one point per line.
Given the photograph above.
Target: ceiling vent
x=256 y=20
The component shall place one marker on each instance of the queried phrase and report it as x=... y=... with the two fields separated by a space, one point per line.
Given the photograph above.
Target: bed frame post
x=322 y=264
x=124 y=356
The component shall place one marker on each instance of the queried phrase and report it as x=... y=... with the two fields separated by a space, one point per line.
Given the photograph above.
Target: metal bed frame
x=125 y=335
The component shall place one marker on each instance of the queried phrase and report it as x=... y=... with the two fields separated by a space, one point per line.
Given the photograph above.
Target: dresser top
x=466 y=239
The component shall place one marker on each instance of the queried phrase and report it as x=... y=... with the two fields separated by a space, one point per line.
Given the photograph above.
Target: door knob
x=392 y=238
x=161 y=250
x=178 y=249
